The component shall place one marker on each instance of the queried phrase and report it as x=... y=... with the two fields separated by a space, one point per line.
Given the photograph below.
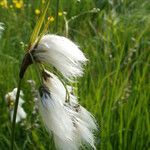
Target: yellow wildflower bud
x=15 y=1
x=3 y=3
x=37 y=11
x=60 y=13
x=51 y=18
x=19 y=4
x=43 y=1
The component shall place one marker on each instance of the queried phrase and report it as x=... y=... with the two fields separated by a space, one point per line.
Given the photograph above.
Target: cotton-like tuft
x=61 y=53
x=72 y=125
x=54 y=116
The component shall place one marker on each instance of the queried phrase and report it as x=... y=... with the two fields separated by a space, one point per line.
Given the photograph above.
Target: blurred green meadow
x=115 y=37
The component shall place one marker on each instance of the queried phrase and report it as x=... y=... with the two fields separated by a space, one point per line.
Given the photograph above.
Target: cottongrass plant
x=10 y=101
x=71 y=125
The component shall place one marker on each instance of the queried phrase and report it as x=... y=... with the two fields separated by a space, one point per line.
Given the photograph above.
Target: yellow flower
x=60 y=13
x=37 y=11
x=3 y=3
x=18 y=4
x=43 y=1
x=51 y=18
x=15 y=1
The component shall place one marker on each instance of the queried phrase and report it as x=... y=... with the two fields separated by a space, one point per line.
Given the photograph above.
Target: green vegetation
x=115 y=86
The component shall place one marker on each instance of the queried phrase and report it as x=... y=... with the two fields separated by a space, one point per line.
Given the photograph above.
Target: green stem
x=56 y=16
x=37 y=69
x=67 y=99
x=15 y=114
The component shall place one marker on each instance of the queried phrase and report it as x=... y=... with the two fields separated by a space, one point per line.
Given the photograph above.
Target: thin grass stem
x=56 y=16
x=15 y=114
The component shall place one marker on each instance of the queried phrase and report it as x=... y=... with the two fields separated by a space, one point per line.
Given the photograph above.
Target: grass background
x=115 y=86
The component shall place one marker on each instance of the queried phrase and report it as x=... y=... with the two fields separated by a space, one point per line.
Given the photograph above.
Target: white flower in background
x=71 y=124
x=1 y=28
x=61 y=53
x=10 y=100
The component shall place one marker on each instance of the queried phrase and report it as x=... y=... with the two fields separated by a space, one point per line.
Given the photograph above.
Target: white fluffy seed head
x=71 y=124
x=10 y=100
x=54 y=116
x=61 y=53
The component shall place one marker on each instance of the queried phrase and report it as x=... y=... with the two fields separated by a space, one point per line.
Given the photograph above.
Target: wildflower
x=71 y=124
x=1 y=28
x=37 y=11
x=43 y=1
x=15 y=1
x=95 y=10
x=64 y=13
x=18 y=3
x=60 y=14
x=11 y=6
x=35 y=96
x=51 y=18
x=61 y=53
x=4 y=3
x=78 y=0
x=10 y=100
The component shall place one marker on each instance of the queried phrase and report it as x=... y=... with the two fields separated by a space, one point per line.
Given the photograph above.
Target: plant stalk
x=15 y=114
x=56 y=16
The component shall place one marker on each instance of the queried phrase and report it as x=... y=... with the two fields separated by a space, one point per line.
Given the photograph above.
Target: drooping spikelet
x=61 y=53
x=71 y=124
